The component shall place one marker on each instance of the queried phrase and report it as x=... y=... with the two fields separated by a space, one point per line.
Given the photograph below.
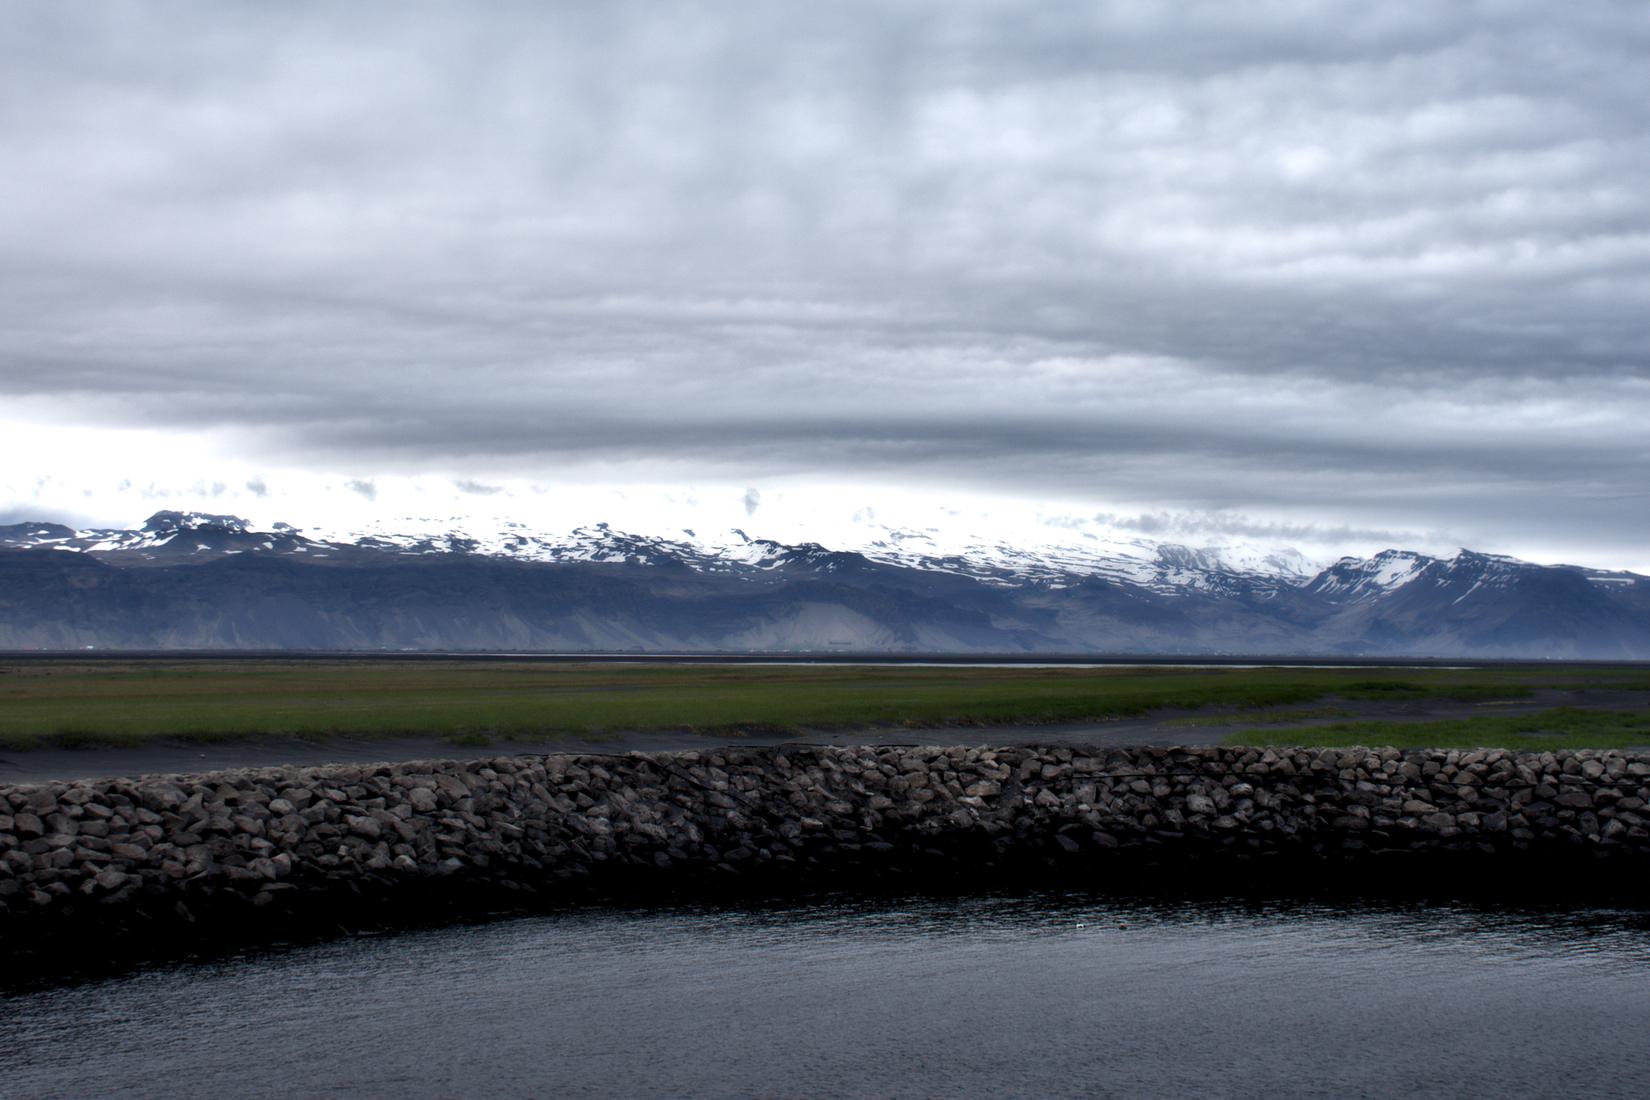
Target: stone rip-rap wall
x=223 y=854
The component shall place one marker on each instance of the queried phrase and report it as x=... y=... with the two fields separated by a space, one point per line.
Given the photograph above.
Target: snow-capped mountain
x=200 y=580
x=1162 y=567
x=1353 y=580
x=164 y=535
x=1156 y=565
x=1465 y=576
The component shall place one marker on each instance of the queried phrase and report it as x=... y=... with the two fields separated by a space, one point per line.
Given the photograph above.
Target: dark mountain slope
x=194 y=581
x=52 y=599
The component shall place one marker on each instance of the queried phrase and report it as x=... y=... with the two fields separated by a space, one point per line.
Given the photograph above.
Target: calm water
x=1049 y=995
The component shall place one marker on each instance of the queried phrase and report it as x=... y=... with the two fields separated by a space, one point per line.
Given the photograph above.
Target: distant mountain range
x=198 y=581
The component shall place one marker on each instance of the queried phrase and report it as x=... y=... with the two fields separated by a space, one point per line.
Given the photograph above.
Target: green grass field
x=1554 y=728
x=118 y=702
x=1257 y=717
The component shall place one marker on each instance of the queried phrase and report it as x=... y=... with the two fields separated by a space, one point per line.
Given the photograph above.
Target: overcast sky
x=1324 y=272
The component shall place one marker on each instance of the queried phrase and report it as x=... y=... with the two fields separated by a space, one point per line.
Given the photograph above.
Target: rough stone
x=295 y=840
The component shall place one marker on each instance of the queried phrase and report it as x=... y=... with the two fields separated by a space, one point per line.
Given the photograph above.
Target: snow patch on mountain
x=1011 y=559
x=1353 y=580
x=165 y=533
x=1038 y=554
x=1034 y=555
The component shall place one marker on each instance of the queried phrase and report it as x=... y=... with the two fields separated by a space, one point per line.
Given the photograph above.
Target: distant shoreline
x=1074 y=660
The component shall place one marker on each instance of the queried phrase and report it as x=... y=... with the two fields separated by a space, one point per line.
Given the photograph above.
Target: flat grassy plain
x=1553 y=728
x=113 y=702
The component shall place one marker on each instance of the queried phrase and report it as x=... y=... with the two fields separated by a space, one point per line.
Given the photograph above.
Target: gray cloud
x=257 y=487
x=1380 y=266
x=752 y=500
x=476 y=488
x=1216 y=524
x=367 y=489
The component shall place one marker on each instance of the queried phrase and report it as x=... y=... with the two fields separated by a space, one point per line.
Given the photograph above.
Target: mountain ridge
x=203 y=580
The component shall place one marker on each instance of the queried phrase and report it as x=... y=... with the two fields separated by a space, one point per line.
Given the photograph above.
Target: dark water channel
x=1039 y=995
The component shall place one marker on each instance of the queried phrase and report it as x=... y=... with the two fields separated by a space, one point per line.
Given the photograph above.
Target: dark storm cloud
x=1384 y=265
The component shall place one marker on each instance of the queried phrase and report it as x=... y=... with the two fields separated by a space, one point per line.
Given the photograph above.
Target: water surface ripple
x=1041 y=995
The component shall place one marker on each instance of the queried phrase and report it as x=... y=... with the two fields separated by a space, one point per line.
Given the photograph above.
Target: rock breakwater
x=140 y=863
